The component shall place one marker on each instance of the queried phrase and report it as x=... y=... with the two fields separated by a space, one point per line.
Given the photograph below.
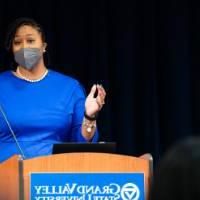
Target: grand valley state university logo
x=87 y=186
x=130 y=191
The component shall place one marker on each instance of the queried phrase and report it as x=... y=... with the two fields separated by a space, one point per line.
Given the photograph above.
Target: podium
x=15 y=173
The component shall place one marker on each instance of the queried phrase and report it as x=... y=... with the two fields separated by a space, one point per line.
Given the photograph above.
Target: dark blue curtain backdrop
x=145 y=53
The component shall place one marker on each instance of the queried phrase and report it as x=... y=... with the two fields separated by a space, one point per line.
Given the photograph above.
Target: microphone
x=12 y=133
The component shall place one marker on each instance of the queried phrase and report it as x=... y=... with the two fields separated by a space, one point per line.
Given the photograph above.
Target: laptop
x=102 y=147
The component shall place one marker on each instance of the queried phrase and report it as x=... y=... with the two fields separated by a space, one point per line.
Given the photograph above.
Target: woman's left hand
x=94 y=104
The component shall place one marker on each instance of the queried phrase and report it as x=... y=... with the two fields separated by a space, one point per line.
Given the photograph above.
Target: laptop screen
x=103 y=147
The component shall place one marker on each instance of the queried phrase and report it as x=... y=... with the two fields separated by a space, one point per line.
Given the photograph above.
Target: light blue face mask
x=27 y=57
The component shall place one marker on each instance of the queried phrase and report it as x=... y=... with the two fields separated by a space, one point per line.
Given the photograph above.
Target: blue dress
x=40 y=114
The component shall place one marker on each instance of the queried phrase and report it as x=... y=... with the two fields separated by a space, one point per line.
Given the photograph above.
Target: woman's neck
x=36 y=72
x=18 y=73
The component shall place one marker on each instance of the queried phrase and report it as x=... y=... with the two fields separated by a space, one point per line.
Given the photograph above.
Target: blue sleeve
x=78 y=114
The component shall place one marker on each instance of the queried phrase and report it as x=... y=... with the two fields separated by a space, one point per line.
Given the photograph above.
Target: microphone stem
x=13 y=134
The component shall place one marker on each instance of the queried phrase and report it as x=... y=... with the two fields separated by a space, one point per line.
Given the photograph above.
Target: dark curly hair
x=12 y=29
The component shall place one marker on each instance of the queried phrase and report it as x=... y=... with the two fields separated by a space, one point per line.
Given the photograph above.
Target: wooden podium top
x=14 y=173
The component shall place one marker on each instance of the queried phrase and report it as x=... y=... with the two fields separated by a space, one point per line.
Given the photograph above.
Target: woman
x=40 y=107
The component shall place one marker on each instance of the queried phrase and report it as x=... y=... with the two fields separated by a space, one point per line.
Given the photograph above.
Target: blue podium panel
x=87 y=186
